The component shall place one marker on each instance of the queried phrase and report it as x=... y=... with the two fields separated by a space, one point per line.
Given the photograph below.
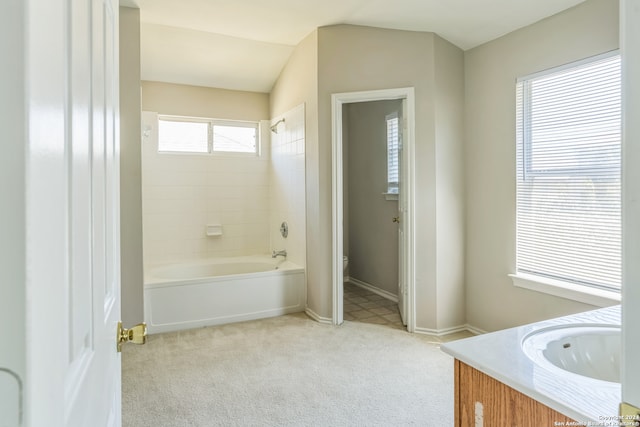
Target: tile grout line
x=364 y=306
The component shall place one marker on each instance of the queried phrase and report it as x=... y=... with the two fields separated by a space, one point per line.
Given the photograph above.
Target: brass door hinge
x=135 y=335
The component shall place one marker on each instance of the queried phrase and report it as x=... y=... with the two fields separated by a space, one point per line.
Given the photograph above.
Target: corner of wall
x=450 y=185
x=130 y=168
x=298 y=84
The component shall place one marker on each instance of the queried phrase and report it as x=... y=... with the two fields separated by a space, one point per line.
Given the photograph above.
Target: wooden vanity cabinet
x=481 y=400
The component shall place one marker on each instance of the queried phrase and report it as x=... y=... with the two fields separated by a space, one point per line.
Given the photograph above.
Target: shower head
x=274 y=127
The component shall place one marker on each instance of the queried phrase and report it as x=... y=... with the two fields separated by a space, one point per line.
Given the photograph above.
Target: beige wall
x=197 y=101
x=352 y=58
x=449 y=170
x=297 y=84
x=490 y=73
x=372 y=236
x=130 y=168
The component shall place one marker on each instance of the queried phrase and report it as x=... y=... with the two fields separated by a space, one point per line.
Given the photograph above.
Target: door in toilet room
x=630 y=42
x=73 y=245
x=402 y=209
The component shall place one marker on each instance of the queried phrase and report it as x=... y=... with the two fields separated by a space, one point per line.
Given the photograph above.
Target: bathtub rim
x=285 y=267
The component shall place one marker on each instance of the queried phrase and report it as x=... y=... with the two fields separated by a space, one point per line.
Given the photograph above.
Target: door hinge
x=135 y=335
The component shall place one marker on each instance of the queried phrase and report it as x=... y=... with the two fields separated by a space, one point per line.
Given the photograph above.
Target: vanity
x=558 y=372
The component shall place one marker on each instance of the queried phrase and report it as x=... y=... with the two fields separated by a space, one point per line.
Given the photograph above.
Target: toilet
x=345 y=262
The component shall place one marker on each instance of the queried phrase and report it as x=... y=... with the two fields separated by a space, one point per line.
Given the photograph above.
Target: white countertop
x=499 y=355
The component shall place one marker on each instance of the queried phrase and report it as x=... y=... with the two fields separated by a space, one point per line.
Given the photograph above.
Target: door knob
x=396 y=219
x=135 y=335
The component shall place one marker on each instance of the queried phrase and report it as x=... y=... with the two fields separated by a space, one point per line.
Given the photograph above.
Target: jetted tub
x=221 y=290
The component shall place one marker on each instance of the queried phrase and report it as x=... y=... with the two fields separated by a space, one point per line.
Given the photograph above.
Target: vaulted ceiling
x=244 y=44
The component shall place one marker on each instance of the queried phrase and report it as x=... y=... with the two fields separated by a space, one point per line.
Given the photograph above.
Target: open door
x=72 y=214
x=406 y=180
x=401 y=220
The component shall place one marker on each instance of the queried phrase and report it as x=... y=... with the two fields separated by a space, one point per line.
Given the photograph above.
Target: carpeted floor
x=287 y=371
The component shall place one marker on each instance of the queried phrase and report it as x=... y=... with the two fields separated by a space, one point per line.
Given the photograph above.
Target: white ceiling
x=244 y=44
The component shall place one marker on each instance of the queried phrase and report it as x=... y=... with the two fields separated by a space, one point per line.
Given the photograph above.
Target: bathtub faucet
x=275 y=254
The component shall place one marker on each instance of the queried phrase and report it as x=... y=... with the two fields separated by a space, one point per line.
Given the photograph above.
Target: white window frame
x=566 y=289
x=236 y=123
x=210 y=135
x=184 y=120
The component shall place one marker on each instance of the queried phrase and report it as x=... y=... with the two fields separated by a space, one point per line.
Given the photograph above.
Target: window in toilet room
x=393 y=153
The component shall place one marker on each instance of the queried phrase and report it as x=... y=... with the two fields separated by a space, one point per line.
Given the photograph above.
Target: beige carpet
x=287 y=371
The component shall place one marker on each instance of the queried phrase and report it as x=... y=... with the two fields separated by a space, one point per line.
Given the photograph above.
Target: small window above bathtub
x=197 y=135
x=183 y=135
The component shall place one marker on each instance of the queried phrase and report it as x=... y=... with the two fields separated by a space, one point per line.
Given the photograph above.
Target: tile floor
x=361 y=305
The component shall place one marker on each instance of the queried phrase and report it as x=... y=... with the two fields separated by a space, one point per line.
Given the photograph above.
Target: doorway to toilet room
x=371 y=138
x=372 y=218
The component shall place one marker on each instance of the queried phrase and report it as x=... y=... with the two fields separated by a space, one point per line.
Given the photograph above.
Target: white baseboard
x=385 y=294
x=394 y=298
x=474 y=330
x=449 y=331
x=440 y=332
x=312 y=314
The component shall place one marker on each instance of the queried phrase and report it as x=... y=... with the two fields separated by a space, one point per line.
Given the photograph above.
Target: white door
x=630 y=44
x=402 y=209
x=73 y=253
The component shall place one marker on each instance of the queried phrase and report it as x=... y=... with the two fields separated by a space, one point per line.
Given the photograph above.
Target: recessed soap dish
x=214 y=230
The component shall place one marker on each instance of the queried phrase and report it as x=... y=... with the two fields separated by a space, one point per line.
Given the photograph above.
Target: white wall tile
x=182 y=193
x=287 y=178
x=249 y=196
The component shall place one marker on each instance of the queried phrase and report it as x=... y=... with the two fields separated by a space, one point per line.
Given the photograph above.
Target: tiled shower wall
x=250 y=196
x=182 y=193
x=288 y=184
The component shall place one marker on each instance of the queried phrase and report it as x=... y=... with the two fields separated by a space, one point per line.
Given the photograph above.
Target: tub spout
x=275 y=254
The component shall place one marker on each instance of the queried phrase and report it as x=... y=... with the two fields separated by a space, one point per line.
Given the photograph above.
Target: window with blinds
x=194 y=135
x=393 y=151
x=568 y=173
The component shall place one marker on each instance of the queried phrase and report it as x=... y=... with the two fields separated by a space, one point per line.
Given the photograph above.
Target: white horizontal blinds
x=393 y=141
x=183 y=136
x=568 y=167
x=235 y=138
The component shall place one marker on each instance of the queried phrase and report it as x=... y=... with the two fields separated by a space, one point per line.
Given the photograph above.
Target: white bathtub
x=221 y=290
